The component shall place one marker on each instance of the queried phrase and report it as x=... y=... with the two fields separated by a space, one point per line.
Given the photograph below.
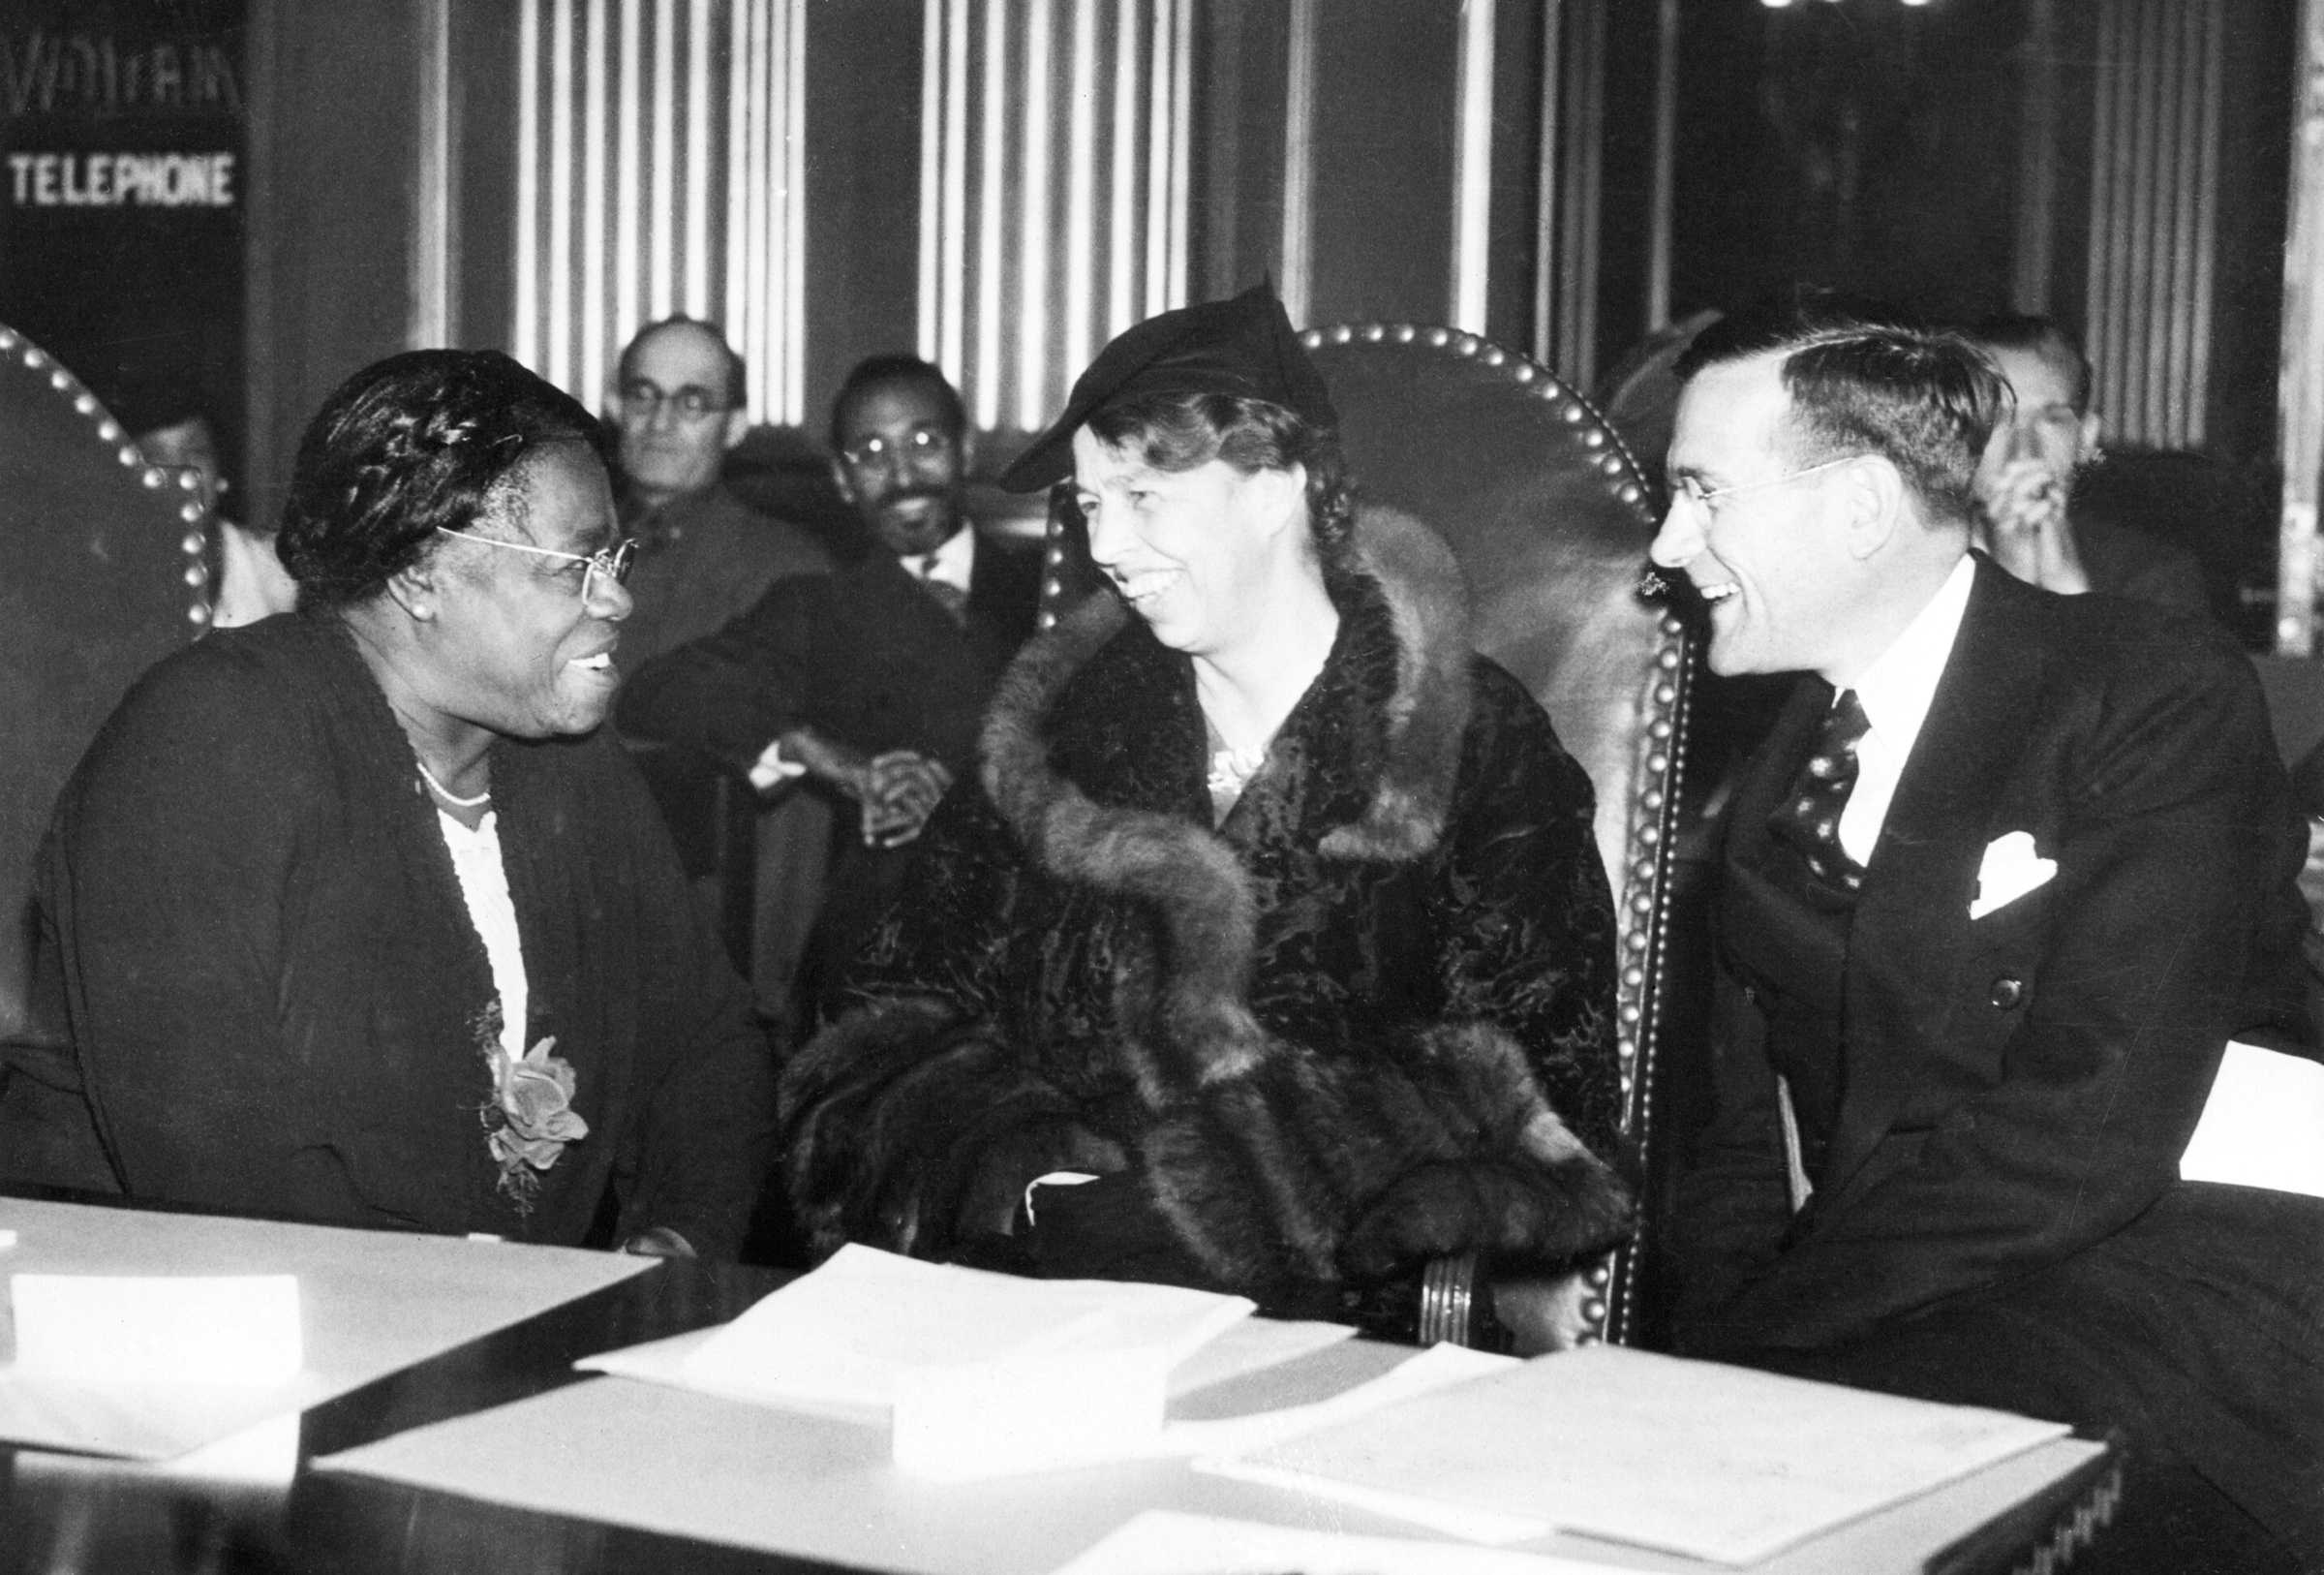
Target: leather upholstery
x=1547 y=514
x=104 y=577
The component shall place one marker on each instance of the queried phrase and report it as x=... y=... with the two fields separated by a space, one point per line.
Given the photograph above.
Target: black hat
x=1244 y=347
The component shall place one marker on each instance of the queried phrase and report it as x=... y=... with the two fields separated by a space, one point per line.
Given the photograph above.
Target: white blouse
x=484 y=884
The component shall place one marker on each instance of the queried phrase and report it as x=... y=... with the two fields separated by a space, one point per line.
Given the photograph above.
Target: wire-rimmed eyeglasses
x=920 y=442
x=645 y=398
x=1708 y=498
x=612 y=561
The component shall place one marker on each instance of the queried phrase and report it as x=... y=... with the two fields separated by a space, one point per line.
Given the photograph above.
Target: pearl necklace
x=446 y=794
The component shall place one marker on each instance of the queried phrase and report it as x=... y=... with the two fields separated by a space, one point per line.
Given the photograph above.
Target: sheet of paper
x=842 y=1335
x=2263 y=1125
x=1170 y=1542
x=1713 y=1462
x=371 y=1302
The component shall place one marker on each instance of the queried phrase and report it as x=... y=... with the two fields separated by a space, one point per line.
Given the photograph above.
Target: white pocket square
x=2011 y=870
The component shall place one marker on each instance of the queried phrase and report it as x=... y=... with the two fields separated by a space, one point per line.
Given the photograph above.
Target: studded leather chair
x=1547 y=514
x=104 y=576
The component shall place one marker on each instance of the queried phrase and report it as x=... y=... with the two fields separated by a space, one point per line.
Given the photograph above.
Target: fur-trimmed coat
x=1367 y=1019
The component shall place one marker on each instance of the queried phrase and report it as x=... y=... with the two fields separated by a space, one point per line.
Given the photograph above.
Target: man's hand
x=2024 y=526
x=899 y=789
x=902 y=788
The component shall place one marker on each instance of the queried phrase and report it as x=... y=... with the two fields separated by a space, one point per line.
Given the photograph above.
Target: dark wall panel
x=1384 y=125
x=335 y=157
x=863 y=187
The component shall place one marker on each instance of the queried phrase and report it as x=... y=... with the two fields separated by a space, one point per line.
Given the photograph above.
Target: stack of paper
x=1713 y=1462
x=979 y=1374
x=845 y=1334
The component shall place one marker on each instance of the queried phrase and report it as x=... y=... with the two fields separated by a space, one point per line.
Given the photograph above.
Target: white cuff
x=771 y=769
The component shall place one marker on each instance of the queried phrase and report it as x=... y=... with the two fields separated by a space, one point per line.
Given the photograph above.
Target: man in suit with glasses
x=1994 y=894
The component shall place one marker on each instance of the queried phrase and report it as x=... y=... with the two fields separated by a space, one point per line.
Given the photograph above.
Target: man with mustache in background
x=869 y=682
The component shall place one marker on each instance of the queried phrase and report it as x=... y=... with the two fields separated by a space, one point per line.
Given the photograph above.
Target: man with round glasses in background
x=677 y=407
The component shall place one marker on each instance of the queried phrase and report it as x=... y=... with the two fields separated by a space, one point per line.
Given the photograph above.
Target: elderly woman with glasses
x=353 y=916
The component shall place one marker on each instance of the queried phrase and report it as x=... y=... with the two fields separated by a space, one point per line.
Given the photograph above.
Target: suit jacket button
x=2008 y=991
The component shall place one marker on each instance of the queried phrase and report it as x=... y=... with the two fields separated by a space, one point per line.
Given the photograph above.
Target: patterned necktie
x=950 y=597
x=1809 y=819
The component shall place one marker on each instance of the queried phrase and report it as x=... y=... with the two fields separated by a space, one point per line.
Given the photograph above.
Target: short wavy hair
x=1864 y=381
x=421 y=440
x=1180 y=432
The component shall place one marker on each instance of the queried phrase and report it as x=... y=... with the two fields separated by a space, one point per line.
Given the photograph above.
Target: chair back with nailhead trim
x=1548 y=516
x=104 y=576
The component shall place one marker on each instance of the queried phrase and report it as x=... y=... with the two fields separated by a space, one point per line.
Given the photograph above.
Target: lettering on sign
x=45 y=74
x=103 y=180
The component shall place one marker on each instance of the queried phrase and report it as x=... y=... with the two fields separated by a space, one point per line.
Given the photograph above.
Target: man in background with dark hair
x=1994 y=894
x=870 y=683
x=2030 y=516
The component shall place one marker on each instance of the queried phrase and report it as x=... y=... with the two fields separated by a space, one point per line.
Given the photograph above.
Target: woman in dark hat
x=353 y=916
x=1274 y=909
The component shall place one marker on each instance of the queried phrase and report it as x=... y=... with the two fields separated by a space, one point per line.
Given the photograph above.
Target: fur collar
x=1186 y=871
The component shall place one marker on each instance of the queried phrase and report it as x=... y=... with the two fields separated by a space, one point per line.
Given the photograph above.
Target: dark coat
x=1368 y=1019
x=866 y=656
x=703 y=558
x=276 y=999
x=863 y=654
x=1998 y=1216
x=2124 y=562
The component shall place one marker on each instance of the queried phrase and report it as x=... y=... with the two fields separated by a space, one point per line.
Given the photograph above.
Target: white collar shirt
x=1896 y=692
x=951 y=564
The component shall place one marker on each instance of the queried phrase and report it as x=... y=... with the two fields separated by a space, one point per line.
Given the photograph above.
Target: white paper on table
x=1700 y=1459
x=2263 y=1124
x=187 y=1329
x=1171 y=1542
x=840 y=1334
x=1252 y=1345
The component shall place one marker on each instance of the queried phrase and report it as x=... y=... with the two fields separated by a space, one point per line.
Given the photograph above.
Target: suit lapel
x=1768 y=776
x=1905 y=948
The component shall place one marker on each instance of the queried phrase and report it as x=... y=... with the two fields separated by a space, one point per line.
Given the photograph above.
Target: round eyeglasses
x=612 y=561
x=645 y=399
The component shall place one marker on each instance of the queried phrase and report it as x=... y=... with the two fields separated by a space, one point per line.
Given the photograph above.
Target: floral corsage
x=530 y=1117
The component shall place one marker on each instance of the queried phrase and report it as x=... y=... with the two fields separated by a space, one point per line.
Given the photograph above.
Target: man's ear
x=1874 y=500
x=2094 y=431
x=737 y=425
x=967 y=447
x=840 y=479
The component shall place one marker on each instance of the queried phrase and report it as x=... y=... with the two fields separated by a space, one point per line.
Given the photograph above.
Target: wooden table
x=62 y=1514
